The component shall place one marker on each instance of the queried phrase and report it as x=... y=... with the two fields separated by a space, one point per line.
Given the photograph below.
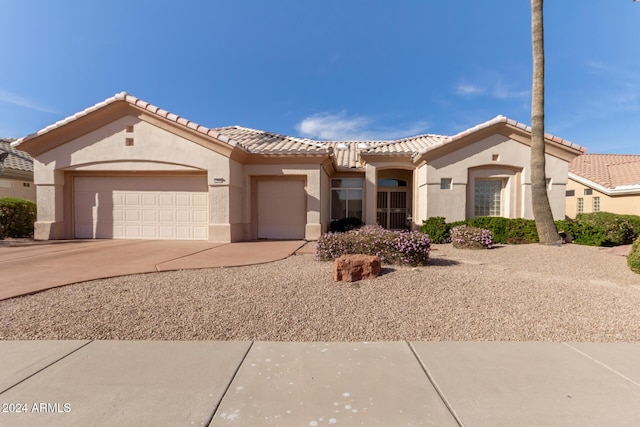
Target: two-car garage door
x=149 y=207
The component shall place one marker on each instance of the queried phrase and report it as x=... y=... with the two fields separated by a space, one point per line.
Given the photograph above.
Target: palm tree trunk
x=542 y=214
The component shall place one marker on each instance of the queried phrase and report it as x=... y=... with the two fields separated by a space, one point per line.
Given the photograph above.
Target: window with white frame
x=596 y=204
x=445 y=183
x=346 y=198
x=580 y=205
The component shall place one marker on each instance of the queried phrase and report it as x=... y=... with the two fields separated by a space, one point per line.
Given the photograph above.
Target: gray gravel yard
x=525 y=292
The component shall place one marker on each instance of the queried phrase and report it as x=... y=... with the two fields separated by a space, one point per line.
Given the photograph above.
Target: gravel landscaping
x=523 y=292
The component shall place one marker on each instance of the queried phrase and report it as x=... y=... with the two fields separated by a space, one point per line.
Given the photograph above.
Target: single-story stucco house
x=604 y=183
x=16 y=172
x=126 y=169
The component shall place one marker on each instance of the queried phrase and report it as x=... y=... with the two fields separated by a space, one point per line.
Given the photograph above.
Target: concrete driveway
x=32 y=268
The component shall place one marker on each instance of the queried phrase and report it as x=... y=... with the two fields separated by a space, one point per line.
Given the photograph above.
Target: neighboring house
x=604 y=183
x=16 y=172
x=127 y=169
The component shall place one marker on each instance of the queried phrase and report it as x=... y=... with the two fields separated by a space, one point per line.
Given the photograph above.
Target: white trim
x=614 y=191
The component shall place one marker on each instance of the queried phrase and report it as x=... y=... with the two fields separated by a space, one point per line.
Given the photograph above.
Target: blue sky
x=327 y=69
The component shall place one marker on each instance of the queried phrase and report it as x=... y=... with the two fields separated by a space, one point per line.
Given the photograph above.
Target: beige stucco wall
x=476 y=160
x=628 y=204
x=153 y=149
x=312 y=175
x=19 y=188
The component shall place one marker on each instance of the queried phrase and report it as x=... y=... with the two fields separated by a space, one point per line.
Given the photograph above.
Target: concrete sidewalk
x=158 y=383
x=32 y=268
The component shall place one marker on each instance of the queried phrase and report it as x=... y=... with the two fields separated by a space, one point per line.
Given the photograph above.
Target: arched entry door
x=392 y=212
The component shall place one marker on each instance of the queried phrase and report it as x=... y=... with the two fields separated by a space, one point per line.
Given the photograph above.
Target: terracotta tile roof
x=258 y=141
x=410 y=146
x=124 y=96
x=347 y=154
x=17 y=160
x=612 y=171
x=497 y=120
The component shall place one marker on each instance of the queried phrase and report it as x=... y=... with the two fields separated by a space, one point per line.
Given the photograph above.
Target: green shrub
x=634 y=222
x=393 y=247
x=505 y=230
x=602 y=229
x=345 y=224
x=633 y=259
x=522 y=231
x=594 y=229
x=437 y=229
x=17 y=217
x=464 y=236
x=498 y=226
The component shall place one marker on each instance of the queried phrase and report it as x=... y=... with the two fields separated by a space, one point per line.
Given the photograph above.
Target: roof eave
x=619 y=190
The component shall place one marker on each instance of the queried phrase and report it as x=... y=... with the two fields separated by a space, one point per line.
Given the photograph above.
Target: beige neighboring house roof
x=17 y=164
x=347 y=155
x=608 y=173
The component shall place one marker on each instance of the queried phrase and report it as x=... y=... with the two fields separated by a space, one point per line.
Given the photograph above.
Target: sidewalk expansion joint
x=226 y=390
x=435 y=386
x=604 y=365
x=46 y=367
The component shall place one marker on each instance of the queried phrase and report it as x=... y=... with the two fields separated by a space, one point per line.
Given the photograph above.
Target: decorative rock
x=351 y=268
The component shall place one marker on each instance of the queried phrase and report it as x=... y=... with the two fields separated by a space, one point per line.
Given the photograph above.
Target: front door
x=392 y=208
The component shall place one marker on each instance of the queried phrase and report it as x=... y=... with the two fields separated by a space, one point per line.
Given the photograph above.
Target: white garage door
x=281 y=209
x=141 y=208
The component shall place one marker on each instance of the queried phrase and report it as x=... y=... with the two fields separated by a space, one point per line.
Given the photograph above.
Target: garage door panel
x=183 y=216
x=165 y=215
x=183 y=200
x=200 y=200
x=165 y=200
x=149 y=232
x=149 y=215
x=166 y=232
x=132 y=199
x=149 y=199
x=200 y=216
x=281 y=209
x=141 y=207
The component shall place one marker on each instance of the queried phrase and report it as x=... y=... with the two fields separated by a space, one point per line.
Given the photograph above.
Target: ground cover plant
x=393 y=247
x=467 y=237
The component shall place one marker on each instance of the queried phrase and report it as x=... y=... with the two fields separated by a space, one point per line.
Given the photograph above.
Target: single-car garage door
x=281 y=209
x=151 y=207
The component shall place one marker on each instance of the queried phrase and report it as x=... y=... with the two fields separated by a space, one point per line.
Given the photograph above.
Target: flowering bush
x=392 y=247
x=464 y=236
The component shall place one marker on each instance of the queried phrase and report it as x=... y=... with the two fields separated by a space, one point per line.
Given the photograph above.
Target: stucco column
x=370 y=195
x=219 y=203
x=50 y=224
x=313 y=228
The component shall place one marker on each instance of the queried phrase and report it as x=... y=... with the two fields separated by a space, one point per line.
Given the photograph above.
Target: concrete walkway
x=34 y=267
x=132 y=383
